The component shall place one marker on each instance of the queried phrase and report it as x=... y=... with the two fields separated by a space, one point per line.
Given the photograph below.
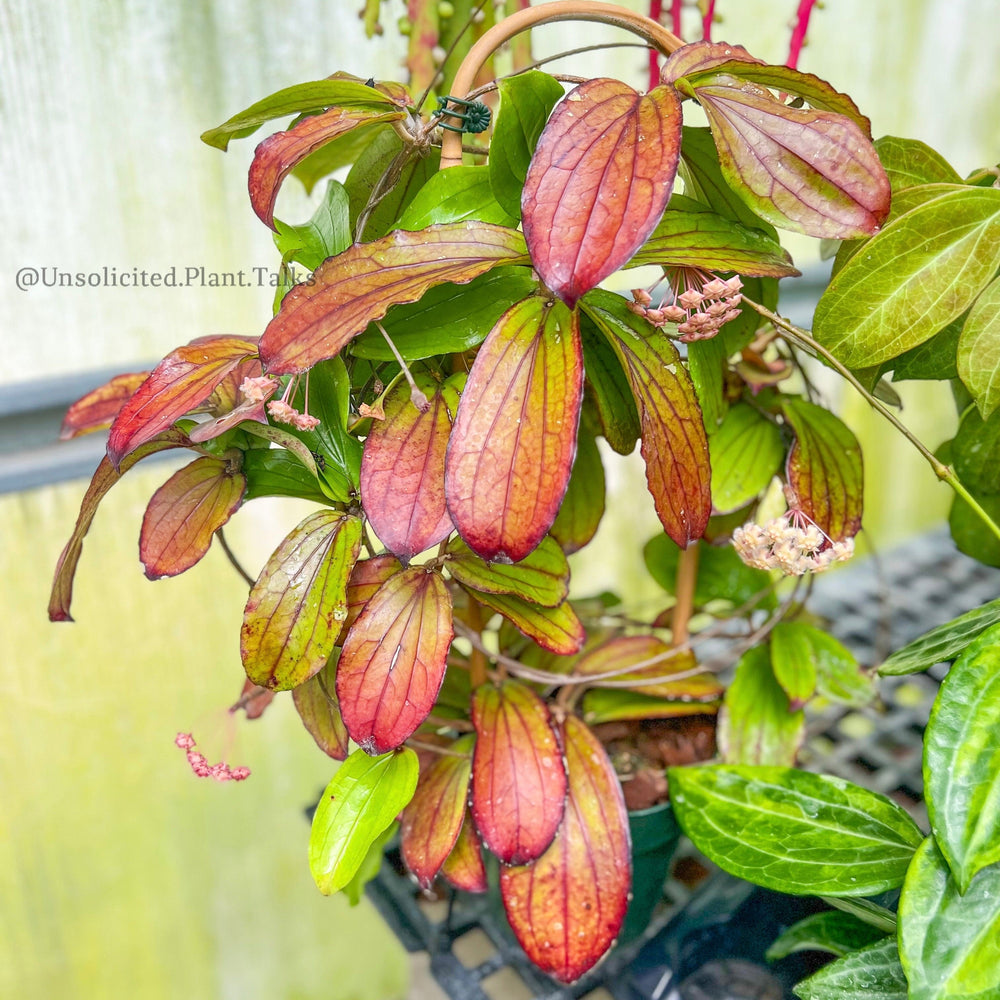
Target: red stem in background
x=675 y=16
x=799 y=32
x=655 y=12
x=706 y=21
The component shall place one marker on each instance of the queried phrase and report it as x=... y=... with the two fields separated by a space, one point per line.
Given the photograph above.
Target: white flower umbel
x=792 y=543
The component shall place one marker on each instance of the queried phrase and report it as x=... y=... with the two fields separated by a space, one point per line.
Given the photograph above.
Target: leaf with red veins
x=295 y=609
x=276 y=157
x=518 y=777
x=431 y=823
x=812 y=172
x=699 y=57
x=598 y=182
x=557 y=629
x=824 y=468
x=349 y=291
x=394 y=658
x=567 y=908
x=674 y=442
x=512 y=446
x=366 y=578
x=464 y=867
x=180 y=383
x=184 y=514
x=402 y=473
x=98 y=408
x=104 y=478
x=316 y=703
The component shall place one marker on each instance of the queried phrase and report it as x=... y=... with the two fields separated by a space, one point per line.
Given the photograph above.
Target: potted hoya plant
x=440 y=376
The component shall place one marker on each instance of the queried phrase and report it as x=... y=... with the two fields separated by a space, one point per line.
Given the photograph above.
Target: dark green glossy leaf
x=453 y=196
x=979 y=350
x=935 y=359
x=526 y=100
x=949 y=943
x=917 y=275
x=614 y=704
x=316 y=703
x=910 y=162
x=746 y=453
x=707 y=364
x=969 y=533
x=866 y=911
x=795 y=832
x=609 y=390
x=542 y=577
x=364 y=797
x=962 y=760
x=942 y=643
x=328 y=232
x=832 y=931
x=275 y=472
x=583 y=505
x=975 y=453
x=757 y=723
x=873 y=973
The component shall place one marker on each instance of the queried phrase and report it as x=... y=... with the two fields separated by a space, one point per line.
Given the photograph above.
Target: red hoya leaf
x=812 y=172
x=104 y=478
x=542 y=577
x=567 y=908
x=599 y=181
x=699 y=57
x=366 y=577
x=674 y=442
x=316 y=703
x=278 y=155
x=518 y=779
x=393 y=660
x=402 y=473
x=295 y=609
x=253 y=700
x=512 y=447
x=184 y=514
x=349 y=291
x=98 y=408
x=824 y=468
x=182 y=381
x=464 y=867
x=557 y=629
x=431 y=823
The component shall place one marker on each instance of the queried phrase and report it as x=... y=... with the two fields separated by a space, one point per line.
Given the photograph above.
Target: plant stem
x=522 y=20
x=706 y=21
x=676 y=7
x=655 y=12
x=232 y=558
x=687 y=575
x=942 y=471
x=802 y=16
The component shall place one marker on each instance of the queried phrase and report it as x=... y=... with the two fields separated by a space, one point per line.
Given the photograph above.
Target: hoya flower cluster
x=792 y=543
x=701 y=303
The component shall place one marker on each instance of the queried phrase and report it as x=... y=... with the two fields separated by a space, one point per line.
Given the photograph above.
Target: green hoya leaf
x=910 y=162
x=949 y=942
x=975 y=453
x=934 y=359
x=873 y=973
x=979 y=350
x=608 y=389
x=707 y=364
x=792 y=661
x=962 y=760
x=793 y=831
x=943 y=642
x=912 y=279
x=758 y=724
x=453 y=196
x=328 y=232
x=613 y=704
x=866 y=911
x=839 y=676
x=371 y=866
x=833 y=931
x=363 y=799
x=448 y=319
x=583 y=505
x=746 y=453
x=541 y=577
x=275 y=472
x=526 y=100
x=969 y=533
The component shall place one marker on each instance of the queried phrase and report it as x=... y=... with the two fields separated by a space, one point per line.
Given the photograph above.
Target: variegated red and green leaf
x=518 y=778
x=620 y=704
x=824 y=468
x=105 y=476
x=279 y=154
x=366 y=577
x=541 y=577
x=351 y=290
x=228 y=404
x=583 y=505
x=316 y=703
x=295 y=609
x=567 y=908
x=185 y=512
x=402 y=473
x=431 y=823
x=512 y=446
x=99 y=407
x=557 y=629
x=813 y=172
x=464 y=867
x=652 y=658
x=180 y=383
x=598 y=182
x=674 y=441
x=699 y=57
x=394 y=658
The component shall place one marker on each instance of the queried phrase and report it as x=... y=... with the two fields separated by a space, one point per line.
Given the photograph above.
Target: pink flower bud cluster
x=256 y=390
x=700 y=306
x=285 y=413
x=201 y=767
x=792 y=543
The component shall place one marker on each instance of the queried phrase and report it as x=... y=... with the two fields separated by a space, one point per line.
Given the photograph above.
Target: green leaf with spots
x=979 y=350
x=746 y=453
x=793 y=831
x=873 y=973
